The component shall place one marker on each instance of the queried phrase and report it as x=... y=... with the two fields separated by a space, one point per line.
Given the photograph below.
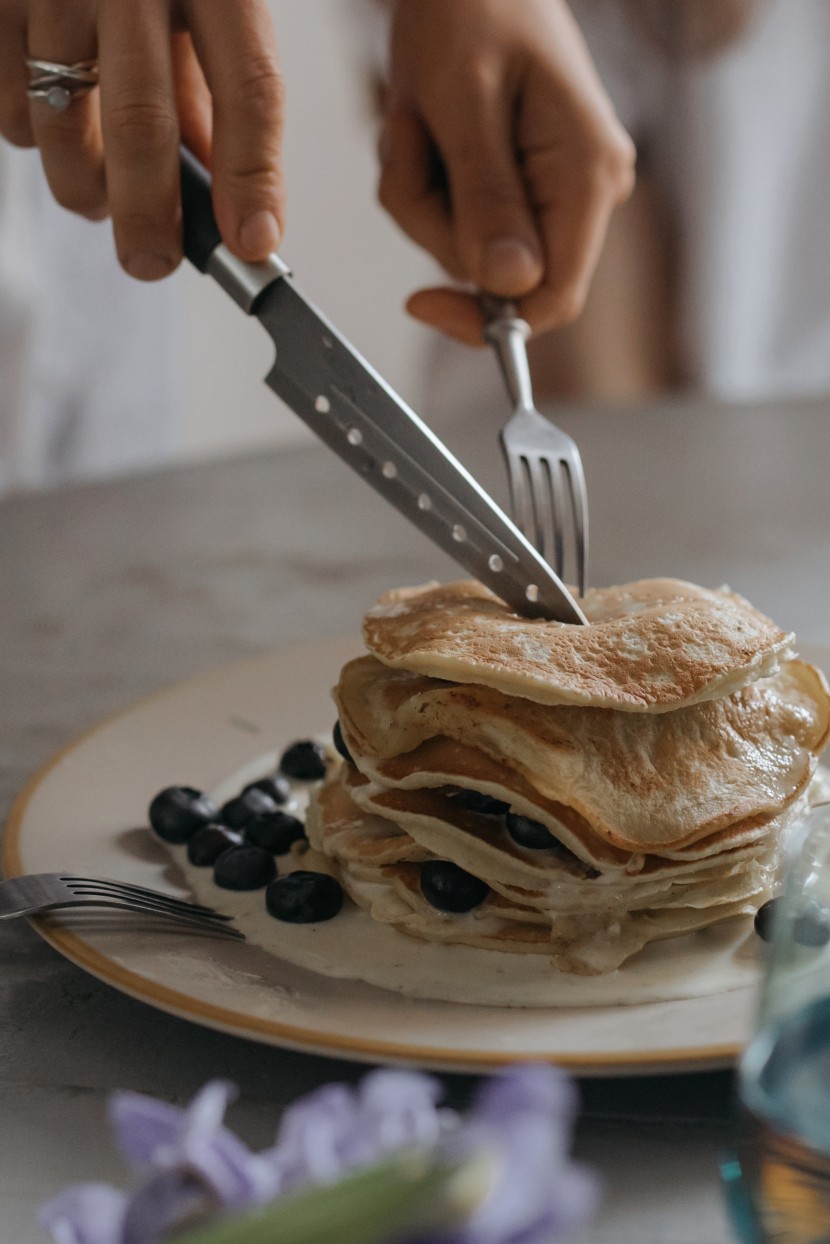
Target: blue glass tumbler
x=778 y=1183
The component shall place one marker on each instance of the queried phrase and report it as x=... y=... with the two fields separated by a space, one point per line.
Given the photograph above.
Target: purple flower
x=338 y=1129
x=85 y=1214
x=526 y=1116
x=192 y=1167
x=193 y=1140
x=167 y=1202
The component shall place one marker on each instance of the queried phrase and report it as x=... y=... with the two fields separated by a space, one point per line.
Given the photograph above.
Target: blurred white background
x=345 y=252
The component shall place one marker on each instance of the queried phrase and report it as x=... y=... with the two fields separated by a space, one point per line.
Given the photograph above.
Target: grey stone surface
x=115 y=589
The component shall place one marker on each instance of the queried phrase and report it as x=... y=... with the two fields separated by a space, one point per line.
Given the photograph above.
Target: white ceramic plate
x=86 y=810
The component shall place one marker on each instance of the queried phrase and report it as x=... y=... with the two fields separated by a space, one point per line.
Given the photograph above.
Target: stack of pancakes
x=652 y=760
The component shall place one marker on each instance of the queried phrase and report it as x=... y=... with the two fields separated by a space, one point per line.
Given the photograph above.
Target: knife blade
x=350 y=407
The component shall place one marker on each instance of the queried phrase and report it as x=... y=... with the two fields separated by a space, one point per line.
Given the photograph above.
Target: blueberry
x=278 y=787
x=244 y=868
x=340 y=742
x=237 y=812
x=208 y=843
x=449 y=888
x=274 y=831
x=475 y=801
x=528 y=833
x=305 y=761
x=812 y=926
x=304 y=897
x=178 y=811
x=764 y=917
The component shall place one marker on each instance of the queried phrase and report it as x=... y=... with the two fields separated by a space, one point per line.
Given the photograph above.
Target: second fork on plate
x=44 y=892
x=547 y=484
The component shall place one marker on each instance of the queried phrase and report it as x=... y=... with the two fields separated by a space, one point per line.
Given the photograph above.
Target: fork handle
x=507 y=333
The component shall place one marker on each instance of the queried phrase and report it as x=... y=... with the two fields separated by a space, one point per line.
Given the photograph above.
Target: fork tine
x=548 y=500
x=518 y=489
x=147 y=909
x=127 y=890
x=525 y=516
x=159 y=902
x=578 y=493
x=515 y=481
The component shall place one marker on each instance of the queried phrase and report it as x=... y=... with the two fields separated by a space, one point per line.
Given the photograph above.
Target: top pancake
x=652 y=646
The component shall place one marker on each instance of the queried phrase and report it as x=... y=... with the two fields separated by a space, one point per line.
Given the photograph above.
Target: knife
x=337 y=394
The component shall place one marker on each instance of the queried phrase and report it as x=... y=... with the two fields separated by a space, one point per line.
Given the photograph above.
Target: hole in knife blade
x=495 y=563
x=425 y=501
x=322 y=404
x=532 y=592
x=389 y=470
x=354 y=436
x=459 y=533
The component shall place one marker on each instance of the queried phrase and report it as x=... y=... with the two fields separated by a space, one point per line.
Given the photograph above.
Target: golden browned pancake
x=577 y=791
x=638 y=782
x=652 y=646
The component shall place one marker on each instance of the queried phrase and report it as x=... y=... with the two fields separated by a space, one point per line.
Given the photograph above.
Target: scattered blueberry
x=244 y=868
x=178 y=811
x=475 y=801
x=237 y=812
x=278 y=787
x=304 y=897
x=340 y=742
x=208 y=843
x=274 y=831
x=764 y=917
x=811 y=927
x=449 y=888
x=528 y=833
x=305 y=761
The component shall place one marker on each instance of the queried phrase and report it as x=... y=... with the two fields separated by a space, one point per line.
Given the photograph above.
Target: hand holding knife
x=351 y=408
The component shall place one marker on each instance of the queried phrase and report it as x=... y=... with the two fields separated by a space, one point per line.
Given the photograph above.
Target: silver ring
x=56 y=84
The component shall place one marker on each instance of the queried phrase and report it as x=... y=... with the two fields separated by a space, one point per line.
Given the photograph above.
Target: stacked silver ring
x=57 y=85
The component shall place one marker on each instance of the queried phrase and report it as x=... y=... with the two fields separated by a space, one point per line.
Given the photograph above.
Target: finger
x=413 y=188
x=141 y=133
x=236 y=49
x=70 y=142
x=451 y=311
x=575 y=193
x=574 y=233
x=15 y=122
x=193 y=101
x=495 y=231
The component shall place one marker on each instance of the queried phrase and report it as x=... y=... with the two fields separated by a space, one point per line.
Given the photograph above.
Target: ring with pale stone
x=57 y=84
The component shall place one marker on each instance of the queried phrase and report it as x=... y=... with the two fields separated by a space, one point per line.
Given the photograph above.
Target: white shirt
x=87 y=367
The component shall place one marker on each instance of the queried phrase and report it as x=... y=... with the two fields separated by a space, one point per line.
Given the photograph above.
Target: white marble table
x=113 y=590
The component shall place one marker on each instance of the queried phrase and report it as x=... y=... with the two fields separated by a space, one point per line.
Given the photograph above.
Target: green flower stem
x=410 y=1193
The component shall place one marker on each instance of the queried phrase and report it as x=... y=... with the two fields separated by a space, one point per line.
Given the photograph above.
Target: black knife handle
x=200 y=233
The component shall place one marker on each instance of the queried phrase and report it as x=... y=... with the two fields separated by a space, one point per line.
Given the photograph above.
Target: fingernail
x=511 y=266
x=259 y=234
x=145 y=266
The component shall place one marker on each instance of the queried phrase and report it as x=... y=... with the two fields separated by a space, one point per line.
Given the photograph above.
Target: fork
x=547 y=483
x=27 y=896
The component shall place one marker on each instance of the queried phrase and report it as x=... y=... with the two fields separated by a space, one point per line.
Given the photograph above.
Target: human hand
x=501 y=154
x=203 y=72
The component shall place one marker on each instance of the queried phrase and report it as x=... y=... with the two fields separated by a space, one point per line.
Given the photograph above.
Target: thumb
x=496 y=236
